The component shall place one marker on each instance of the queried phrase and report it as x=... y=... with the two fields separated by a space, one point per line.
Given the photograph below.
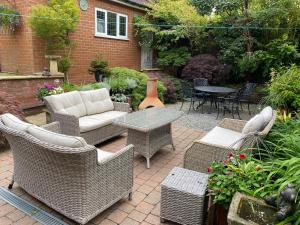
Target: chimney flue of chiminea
x=151 y=99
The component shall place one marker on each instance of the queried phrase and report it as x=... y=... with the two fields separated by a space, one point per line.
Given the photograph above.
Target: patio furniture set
x=228 y=99
x=59 y=164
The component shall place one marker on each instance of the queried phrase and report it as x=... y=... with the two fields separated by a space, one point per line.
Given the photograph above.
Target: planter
x=217 y=215
x=98 y=76
x=246 y=210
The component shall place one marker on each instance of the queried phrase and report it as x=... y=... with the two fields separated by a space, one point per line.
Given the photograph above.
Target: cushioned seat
x=103 y=155
x=223 y=137
x=14 y=122
x=88 y=123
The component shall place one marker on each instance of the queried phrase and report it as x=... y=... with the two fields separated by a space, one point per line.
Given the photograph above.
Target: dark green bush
x=119 y=83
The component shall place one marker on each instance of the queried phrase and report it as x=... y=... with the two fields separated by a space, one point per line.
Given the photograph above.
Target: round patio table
x=214 y=92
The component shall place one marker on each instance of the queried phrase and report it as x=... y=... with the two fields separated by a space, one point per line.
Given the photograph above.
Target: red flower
x=242 y=156
x=230 y=155
x=209 y=170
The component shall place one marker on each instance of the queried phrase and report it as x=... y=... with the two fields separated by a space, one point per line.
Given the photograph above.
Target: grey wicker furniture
x=78 y=182
x=183 y=197
x=149 y=129
x=88 y=114
x=209 y=148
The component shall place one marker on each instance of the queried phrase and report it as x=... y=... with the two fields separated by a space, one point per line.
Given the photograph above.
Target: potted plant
x=237 y=173
x=98 y=67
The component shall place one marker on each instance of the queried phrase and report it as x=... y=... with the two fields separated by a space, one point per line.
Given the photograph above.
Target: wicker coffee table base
x=148 y=143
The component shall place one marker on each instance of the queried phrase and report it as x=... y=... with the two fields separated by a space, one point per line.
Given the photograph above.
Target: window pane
x=122 y=28
x=111 y=24
x=100 y=22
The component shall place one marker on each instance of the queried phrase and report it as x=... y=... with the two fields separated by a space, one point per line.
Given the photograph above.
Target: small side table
x=183 y=197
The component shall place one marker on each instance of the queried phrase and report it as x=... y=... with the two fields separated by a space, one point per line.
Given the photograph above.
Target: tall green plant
x=284 y=88
x=9 y=18
x=55 y=21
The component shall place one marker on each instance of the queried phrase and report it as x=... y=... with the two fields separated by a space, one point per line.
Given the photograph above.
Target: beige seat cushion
x=14 y=122
x=223 y=137
x=267 y=114
x=88 y=123
x=254 y=124
x=103 y=155
x=67 y=103
x=55 y=138
x=97 y=101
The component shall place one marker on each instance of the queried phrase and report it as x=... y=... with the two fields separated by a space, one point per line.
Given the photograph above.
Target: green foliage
x=119 y=84
x=174 y=57
x=93 y=86
x=98 y=65
x=238 y=173
x=64 y=65
x=47 y=90
x=9 y=18
x=69 y=87
x=119 y=97
x=55 y=21
x=284 y=88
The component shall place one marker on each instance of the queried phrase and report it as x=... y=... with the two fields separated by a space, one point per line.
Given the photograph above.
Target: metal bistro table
x=214 y=92
x=149 y=129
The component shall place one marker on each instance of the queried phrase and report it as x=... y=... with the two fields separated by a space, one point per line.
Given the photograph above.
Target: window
x=111 y=24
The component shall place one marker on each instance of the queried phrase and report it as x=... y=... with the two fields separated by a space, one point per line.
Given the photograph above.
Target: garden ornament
x=285 y=202
x=46 y=72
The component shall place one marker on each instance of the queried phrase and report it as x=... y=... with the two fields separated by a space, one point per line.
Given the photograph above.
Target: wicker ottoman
x=183 y=197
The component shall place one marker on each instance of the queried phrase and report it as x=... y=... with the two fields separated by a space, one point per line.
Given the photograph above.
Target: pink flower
x=242 y=156
x=230 y=155
x=209 y=170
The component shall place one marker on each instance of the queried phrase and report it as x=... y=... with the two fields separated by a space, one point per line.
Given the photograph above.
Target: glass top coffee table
x=149 y=129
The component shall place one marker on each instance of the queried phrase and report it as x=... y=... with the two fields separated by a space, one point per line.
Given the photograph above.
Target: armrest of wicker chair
x=199 y=156
x=232 y=124
x=69 y=124
x=122 y=106
x=54 y=127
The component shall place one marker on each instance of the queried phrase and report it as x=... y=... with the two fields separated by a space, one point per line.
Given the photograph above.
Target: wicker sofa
x=230 y=135
x=88 y=114
x=64 y=172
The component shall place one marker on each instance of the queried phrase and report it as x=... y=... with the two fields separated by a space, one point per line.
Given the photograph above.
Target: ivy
x=9 y=18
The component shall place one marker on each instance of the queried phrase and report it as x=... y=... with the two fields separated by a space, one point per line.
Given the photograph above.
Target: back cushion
x=267 y=114
x=14 y=122
x=97 y=101
x=67 y=103
x=55 y=138
x=254 y=125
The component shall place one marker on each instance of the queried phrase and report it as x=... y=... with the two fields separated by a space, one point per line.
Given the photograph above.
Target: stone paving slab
x=144 y=207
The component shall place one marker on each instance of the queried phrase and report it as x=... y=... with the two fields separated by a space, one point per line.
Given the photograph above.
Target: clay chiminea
x=151 y=99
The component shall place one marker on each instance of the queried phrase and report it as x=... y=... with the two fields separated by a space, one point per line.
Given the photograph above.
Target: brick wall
x=25 y=89
x=22 y=51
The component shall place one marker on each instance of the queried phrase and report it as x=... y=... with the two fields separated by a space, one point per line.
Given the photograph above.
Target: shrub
x=64 y=65
x=62 y=18
x=205 y=66
x=119 y=81
x=9 y=104
x=284 y=88
x=174 y=57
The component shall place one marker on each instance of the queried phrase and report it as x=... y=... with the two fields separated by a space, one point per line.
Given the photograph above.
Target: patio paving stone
x=144 y=209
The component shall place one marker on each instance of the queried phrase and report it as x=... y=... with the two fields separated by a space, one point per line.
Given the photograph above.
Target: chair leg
x=162 y=220
x=190 y=107
x=218 y=111
x=11 y=183
x=130 y=196
x=181 y=104
x=148 y=163
x=241 y=104
x=238 y=112
x=249 y=108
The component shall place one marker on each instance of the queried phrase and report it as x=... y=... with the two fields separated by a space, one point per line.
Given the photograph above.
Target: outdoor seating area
x=149 y=112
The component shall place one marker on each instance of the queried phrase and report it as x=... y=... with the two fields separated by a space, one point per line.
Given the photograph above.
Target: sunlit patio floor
x=144 y=208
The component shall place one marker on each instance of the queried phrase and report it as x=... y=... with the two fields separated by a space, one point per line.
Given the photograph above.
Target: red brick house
x=24 y=53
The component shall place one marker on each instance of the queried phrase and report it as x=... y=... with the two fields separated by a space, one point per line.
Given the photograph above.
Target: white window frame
x=105 y=35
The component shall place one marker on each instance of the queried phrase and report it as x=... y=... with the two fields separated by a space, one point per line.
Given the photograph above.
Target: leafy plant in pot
x=98 y=67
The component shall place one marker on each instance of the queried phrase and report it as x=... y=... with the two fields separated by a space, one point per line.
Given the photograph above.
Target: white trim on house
x=130 y=5
x=105 y=34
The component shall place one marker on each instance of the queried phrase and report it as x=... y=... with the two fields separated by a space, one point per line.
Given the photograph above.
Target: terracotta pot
x=217 y=215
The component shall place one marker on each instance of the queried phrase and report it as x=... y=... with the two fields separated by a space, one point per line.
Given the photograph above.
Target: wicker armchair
x=70 y=123
x=200 y=155
x=70 y=180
